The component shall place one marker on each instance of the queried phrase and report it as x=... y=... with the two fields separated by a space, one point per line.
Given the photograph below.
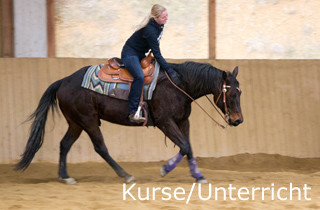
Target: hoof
x=201 y=180
x=163 y=171
x=130 y=179
x=68 y=181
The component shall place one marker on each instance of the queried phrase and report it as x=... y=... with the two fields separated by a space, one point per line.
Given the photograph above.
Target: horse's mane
x=199 y=76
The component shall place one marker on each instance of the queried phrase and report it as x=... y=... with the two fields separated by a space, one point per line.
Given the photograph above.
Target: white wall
x=268 y=29
x=246 y=29
x=30 y=28
x=99 y=29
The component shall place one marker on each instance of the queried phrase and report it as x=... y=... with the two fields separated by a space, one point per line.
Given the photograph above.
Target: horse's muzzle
x=236 y=120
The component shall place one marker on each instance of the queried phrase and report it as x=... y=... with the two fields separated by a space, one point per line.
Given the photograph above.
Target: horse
x=169 y=110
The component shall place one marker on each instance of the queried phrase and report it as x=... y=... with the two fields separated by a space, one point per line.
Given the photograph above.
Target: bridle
x=223 y=91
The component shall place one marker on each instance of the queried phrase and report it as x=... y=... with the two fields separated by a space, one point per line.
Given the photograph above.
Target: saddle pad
x=117 y=90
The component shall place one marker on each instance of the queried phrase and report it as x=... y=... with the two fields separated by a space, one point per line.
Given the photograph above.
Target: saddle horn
x=146 y=61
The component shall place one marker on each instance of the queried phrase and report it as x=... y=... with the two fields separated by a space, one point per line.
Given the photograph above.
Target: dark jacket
x=145 y=39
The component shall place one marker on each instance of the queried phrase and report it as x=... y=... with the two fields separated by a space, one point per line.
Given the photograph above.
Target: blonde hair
x=156 y=11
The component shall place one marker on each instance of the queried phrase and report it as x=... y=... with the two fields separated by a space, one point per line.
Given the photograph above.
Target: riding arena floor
x=245 y=181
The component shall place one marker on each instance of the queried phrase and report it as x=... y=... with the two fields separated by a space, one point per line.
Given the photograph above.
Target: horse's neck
x=211 y=86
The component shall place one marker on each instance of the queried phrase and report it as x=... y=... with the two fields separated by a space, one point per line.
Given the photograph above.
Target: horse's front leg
x=179 y=134
x=193 y=166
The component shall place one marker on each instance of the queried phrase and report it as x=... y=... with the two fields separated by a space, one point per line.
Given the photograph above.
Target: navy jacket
x=145 y=39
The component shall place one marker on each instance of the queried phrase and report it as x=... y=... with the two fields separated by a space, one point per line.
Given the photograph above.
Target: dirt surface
x=241 y=176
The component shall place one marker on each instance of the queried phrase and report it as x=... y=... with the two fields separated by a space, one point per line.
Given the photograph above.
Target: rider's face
x=162 y=19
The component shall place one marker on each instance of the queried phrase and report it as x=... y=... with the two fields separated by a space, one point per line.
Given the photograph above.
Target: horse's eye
x=233 y=95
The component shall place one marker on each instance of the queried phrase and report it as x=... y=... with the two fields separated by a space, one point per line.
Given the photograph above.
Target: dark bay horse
x=169 y=110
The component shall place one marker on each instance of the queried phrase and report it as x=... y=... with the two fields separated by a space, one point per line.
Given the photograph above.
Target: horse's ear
x=235 y=71
x=224 y=75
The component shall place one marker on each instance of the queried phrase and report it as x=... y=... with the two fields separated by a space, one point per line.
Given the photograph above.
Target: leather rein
x=223 y=91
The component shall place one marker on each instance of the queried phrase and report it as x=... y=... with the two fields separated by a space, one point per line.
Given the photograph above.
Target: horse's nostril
x=237 y=122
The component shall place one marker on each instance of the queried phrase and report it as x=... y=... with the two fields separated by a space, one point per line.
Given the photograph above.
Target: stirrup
x=137 y=117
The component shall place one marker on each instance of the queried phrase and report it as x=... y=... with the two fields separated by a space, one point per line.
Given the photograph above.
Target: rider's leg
x=132 y=63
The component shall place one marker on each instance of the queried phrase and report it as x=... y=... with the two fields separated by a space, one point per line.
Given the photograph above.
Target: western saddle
x=115 y=71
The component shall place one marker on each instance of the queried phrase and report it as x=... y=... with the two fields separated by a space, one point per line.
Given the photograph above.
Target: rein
x=224 y=90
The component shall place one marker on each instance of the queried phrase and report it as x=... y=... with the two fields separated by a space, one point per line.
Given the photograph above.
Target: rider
x=146 y=37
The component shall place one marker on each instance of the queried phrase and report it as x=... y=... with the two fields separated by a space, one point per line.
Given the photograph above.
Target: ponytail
x=144 y=22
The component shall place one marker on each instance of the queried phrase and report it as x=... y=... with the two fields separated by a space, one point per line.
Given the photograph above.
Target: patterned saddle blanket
x=92 y=82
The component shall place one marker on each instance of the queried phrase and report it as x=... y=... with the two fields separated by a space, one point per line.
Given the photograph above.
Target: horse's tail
x=39 y=116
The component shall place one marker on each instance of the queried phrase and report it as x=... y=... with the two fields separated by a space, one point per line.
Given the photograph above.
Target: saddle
x=115 y=71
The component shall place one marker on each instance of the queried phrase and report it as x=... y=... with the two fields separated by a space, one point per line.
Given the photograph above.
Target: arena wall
x=280 y=103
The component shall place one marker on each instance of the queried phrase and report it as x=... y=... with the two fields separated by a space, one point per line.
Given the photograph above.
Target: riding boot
x=137 y=116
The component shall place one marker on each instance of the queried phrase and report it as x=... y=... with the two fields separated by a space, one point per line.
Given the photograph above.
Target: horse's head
x=228 y=99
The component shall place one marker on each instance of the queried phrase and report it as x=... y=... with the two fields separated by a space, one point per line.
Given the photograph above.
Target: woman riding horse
x=145 y=38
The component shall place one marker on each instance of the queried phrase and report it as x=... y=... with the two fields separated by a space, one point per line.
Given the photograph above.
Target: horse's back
x=76 y=101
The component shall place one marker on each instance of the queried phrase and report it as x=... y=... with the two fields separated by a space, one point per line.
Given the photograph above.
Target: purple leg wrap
x=173 y=162
x=195 y=172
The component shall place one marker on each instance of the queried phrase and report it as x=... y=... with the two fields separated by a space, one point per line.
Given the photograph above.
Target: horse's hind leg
x=100 y=147
x=67 y=141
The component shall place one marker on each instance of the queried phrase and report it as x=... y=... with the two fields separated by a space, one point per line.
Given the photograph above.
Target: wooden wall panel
x=280 y=103
x=6 y=28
